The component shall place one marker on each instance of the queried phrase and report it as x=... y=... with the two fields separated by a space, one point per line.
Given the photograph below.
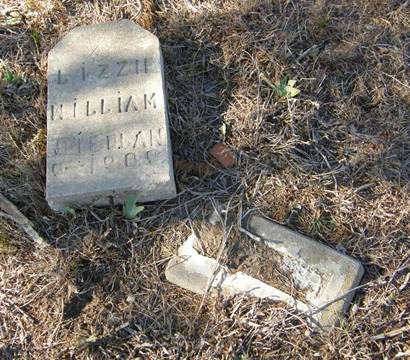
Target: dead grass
x=331 y=163
x=241 y=253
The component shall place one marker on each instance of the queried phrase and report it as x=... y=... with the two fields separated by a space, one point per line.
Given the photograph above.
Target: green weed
x=6 y=247
x=130 y=208
x=36 y=37
x=323 y=22
x=323 y=225
x=285 y=89
x=11 y=77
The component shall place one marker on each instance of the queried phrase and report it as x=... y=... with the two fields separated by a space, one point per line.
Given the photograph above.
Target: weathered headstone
x=108 y=132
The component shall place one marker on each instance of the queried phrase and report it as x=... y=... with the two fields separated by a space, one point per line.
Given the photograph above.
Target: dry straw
x=331 y=162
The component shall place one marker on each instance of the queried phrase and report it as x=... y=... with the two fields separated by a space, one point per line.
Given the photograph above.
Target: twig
x=317 y=309
x=391 y=333
x=363 y=187
x=395 y=79
x=252 y=236
x=380 y=282
x=11 y=212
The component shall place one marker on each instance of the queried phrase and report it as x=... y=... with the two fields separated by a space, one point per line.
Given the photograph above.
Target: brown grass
x=241 y=253
x=332 y=163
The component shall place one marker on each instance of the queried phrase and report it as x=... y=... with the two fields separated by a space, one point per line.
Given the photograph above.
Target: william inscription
x=107 y=123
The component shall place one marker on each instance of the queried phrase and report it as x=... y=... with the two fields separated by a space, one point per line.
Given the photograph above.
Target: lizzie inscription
x=108 y=132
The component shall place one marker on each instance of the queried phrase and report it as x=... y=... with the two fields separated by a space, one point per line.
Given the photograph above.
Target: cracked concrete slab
x=326 y=276
x=321 y=271
x=201 y=275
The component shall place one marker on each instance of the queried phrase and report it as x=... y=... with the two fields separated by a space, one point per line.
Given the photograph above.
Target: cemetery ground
x=331 y=162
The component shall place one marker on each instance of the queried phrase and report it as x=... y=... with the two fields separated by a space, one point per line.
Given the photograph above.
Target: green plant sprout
x=285 y=88
x=10 y=76
x=131 y=208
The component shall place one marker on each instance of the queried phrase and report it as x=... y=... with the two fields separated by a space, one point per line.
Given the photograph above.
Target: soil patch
x=241 y=253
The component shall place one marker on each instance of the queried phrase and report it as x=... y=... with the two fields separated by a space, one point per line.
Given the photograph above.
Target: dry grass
x=332 y=163
x=240 y=253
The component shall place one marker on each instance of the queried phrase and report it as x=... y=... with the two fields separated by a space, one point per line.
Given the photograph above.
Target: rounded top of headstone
x=123 y=34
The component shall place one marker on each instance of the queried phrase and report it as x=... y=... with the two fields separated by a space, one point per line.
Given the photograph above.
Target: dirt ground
x=239 y=252
x=331 y=162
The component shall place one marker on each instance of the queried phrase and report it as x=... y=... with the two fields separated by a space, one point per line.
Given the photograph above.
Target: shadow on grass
x=9 y=352
x=86 y=278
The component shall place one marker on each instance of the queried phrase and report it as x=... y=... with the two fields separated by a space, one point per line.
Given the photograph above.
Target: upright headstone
x=108 y=133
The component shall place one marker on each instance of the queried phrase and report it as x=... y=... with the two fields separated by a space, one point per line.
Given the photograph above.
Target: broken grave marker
x=326 y=277
x=324 y=273
x=108 y=133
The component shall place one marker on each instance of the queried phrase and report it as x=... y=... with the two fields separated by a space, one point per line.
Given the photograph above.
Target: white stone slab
x=201 y=275
x=327 y=277
x=107 y=123
x=323 y=273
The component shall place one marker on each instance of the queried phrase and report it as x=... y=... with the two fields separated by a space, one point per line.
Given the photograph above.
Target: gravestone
x=108 y=133
x=326 y=279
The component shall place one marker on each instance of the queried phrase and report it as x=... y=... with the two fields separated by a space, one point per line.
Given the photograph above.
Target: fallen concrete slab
x=201 y=275
x=326 y=277
x=324 y=273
